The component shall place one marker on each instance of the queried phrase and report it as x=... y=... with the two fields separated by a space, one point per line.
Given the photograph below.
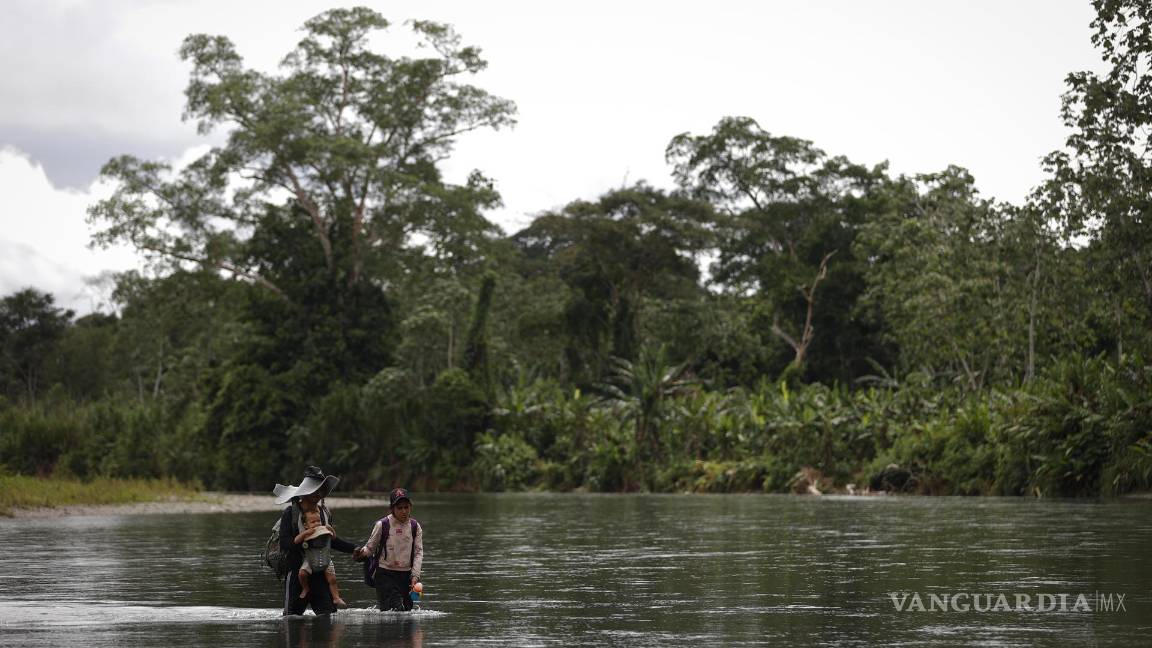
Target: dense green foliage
x=782 y=320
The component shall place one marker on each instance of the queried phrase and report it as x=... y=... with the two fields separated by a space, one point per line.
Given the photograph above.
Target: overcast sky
x=601 y=87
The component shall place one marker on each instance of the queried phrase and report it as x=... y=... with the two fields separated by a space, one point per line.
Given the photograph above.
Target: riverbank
x=25 y=496
x=204 y=502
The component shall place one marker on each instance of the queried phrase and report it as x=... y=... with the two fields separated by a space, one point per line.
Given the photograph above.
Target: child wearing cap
x=397 y=543
x=314 y=539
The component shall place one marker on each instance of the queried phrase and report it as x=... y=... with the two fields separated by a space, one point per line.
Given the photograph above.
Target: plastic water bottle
x=415 y=594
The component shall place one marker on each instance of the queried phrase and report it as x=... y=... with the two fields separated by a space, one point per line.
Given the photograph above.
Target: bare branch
x=227 y=267
x=779 y=332
x=313 y=210
x=809 y=332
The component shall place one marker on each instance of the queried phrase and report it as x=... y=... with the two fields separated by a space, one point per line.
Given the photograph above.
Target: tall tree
x=937 y=277
x=349 y=136
x=328 y=180
x=30 y=328
x=1050 y=306
x=476 y=360
x=630 y=244
x=1101 y=183
x=89 y=365
x=326 y=195
x=789 y=215
x=173 y=328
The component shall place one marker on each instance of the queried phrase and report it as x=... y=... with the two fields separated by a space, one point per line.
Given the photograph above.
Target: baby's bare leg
x=330 y=576
x=303 y=575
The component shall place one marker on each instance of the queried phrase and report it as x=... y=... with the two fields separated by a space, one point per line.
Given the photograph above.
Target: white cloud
x=44 y=238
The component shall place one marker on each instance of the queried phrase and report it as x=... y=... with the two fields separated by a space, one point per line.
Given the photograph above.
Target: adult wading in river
x=308 y=496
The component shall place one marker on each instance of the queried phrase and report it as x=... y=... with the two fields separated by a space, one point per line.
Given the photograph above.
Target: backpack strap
x=372 y=564
x=415 y=532
x=297 y=516
x=382 y=548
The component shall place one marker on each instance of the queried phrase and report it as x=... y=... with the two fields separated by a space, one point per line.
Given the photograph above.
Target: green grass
x=19 y=491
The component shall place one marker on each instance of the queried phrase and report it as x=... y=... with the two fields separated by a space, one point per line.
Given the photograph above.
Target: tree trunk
x=1119 y=334
x=1030 y=366
x=159 y=374
x=31 y=385
x=808 y=333
x=451 y=342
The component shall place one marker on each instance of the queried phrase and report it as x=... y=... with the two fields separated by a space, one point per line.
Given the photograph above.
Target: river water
x=624 y=570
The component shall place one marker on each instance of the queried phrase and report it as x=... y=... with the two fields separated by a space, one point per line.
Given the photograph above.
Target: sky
x=600 y=87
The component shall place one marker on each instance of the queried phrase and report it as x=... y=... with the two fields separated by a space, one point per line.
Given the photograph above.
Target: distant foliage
x=504 y=462
x=783 y=320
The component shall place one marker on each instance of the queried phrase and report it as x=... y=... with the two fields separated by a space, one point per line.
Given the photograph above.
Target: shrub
x=1081 y=430
x=700 y=476
x=944 y=455
x=246 y=426
x=32 y=441
x=504 y=462
x=610 y=458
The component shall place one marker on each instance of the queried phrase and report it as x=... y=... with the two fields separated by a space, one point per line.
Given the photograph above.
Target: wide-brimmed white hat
x=314 y=482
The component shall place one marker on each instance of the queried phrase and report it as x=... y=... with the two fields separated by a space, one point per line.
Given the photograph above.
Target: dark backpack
x=275 y=557
x=372 y=563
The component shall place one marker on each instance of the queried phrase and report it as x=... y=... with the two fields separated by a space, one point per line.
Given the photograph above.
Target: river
x=623 y=570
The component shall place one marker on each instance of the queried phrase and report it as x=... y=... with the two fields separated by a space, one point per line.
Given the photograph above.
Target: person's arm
x=287 y=530
x=340 y=544
x=418 y=554
x=369 y=547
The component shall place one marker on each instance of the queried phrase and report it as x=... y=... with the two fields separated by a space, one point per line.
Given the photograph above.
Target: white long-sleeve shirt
x=400 y=556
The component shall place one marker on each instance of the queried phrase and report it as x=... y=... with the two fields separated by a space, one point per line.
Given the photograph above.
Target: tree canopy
x=343 y=144
x=781 y=318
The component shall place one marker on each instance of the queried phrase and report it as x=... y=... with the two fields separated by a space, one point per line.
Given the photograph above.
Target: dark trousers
x=392 y=588
x=319 y=597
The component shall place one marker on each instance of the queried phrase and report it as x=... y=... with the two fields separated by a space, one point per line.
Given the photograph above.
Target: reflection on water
x=329 y=632
x=592 y=570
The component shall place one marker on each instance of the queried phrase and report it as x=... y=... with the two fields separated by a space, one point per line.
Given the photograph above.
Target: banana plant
x=640 y=391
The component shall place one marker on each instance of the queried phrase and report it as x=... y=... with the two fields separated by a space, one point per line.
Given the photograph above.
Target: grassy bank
x=20 y=491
